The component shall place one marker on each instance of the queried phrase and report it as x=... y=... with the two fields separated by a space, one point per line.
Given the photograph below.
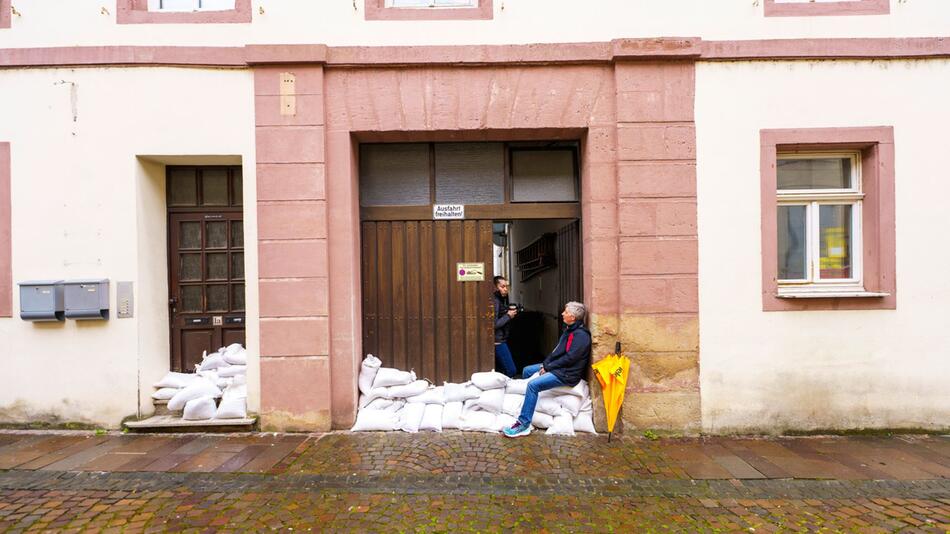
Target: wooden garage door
x=416 y=315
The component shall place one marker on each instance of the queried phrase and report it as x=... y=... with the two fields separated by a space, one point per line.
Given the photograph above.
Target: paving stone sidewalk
x=471 y=482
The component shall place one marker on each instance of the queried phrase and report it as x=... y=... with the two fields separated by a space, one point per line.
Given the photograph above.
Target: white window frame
x=433 y=4
x=156 y=6
x=813 y=199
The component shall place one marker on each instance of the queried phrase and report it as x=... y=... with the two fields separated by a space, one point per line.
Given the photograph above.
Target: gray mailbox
x=41 y=300
x=87 y=299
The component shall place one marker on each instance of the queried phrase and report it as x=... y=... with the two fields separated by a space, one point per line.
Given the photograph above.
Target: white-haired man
x=565 y=366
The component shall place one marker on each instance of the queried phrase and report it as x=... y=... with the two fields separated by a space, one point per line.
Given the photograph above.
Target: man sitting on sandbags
x=565 y=366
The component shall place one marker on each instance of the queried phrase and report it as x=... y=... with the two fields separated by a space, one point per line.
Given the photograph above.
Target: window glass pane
x=217 y=266
x=237 y=188
x=237 y=234
x=214 y=187
x=791 y=242
x=216 y=234
x=237 y=297
x=543 y=176
x=835 y=229
x=469 y=173
x=237 y=265
x=175 y=5
x=217 y=298
x=189 y=298
x=216 y=5
x=181 y=187
x=190 y=268
x=816 y=173
x=394 y=174
x=190 y=237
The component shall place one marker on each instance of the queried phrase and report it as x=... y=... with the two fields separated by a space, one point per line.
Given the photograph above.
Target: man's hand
x=541 y=371
x=512 y=313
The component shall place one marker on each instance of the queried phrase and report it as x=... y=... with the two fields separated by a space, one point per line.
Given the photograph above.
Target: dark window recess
x=193 y=187
x=537 y=257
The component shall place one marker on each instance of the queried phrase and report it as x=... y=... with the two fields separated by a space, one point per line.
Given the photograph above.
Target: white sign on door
x=448 y=211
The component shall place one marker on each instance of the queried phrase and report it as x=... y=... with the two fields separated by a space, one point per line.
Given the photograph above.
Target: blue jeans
x=539 y=384
x=504 y=363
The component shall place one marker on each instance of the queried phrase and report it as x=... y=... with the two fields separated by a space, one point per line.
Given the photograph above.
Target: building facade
x=752 y=198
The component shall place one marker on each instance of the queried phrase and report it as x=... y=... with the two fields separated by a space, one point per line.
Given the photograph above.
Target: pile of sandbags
x=391 y=399
x=220 y=375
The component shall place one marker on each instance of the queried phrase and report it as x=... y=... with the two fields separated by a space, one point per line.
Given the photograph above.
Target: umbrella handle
x=617 y=349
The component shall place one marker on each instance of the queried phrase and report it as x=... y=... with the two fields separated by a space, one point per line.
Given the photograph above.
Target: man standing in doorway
x=504 y=313
x=565 y=366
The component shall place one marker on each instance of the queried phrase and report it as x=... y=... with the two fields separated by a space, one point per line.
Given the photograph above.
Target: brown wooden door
x=206 y=284
x=416 y=315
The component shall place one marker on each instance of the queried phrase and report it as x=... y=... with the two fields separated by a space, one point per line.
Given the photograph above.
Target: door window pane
x=543 y=176
x=835 y=230
x=189 y=300
x=237 y=187
x=217 y=234
x=214 y=187
x=181 y=187
x=815 y=173
x=217 y=266
x=237 y=265
x=237 y=297
x=217 y=298
x=190 y=238
x=469 y=173
x=394 y=174
x=190 y=268
x=237 y=234
x=791 y=242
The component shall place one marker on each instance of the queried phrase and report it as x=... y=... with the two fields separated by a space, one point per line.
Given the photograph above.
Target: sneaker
x=517 y=430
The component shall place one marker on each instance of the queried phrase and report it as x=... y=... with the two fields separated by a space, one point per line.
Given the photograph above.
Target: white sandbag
x=235 y=392
x=548 y=405
x=503 y=421
x=374 y=421
x=231 y=408
x=409 y=390
x=230 y=371
x=512 y=403
x=517 y=386
x=199 y=409
x=584 y=422
x=164 y=393
x=432 y=418
x=368 y=369
x=199 y=388
x=581 y=389
x=387 y=376
x=237 y=380
x=233 y=348
x=563 y=426
x=175 y=380
x=433 y=395
x=478 y=420
x=587 y=405
x=491 y=400
x=212 y=362
x=375 y=393
x=375 y=404
x=452 y=415
x=489 y=380
x=237 y=357
x=570 y=403
x=542 y=420
x=459 y=392
x=410 y=417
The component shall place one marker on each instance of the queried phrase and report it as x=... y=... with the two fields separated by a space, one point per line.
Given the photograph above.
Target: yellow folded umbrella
x=612 y=373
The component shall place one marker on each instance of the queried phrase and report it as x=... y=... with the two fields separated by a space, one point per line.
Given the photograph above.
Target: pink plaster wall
x=6 y=236
x=5 y=14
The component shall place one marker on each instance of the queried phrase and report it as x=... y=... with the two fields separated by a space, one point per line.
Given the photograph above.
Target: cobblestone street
x=471 y=482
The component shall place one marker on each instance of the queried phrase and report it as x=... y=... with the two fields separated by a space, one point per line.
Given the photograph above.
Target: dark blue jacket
x=570 y=365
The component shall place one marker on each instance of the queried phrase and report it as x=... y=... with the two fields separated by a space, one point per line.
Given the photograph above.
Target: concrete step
x=174 y=423
x=161 y=408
